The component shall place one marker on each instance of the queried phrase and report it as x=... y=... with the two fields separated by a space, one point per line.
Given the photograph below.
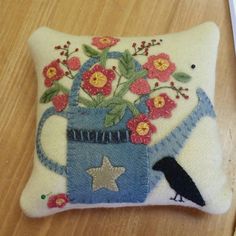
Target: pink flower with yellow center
x=52 y=72
x=98 y=80
x=141 y=129
x=104 y=42
x=160 y=106
x=159 y=67
x=58 y=200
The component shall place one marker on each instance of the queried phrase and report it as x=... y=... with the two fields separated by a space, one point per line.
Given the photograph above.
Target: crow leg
x=174 y=198
x=181 y=199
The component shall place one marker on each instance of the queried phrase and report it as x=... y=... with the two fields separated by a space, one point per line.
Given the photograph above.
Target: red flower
x=140 y=86
x=52 y=72
x=159 y=67
x=160 y=106
x=73 y=63
x=141 y=128
x=58 y=200
x=98 y=80
x=104 y=42
x=60 y=102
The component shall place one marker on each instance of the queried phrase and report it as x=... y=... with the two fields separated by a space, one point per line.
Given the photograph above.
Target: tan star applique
x=106 y=175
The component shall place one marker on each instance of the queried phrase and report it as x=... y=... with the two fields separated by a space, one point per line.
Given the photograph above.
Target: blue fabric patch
x=132 y=184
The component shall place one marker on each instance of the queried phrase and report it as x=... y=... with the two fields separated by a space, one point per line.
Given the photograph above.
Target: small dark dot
x=43 y=196
x=193 y=66
x=161 y=40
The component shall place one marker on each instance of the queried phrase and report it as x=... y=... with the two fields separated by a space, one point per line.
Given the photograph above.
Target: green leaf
x=49 y=94
x=103 y=57
x=125 y=87
x=115 y=115
x=182 y=77
x=89 y=51
x=126 y=65
x=86 y=102
x=141 y=73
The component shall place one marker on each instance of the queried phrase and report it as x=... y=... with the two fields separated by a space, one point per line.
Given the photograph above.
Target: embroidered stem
x=85 y=102
x=144 y=47
x=118 y=84
x=88 y=94
x=103 y=57
x=177 y=90
x=61 y=87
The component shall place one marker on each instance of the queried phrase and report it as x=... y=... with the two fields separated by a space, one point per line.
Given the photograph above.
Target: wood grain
x=18 y=18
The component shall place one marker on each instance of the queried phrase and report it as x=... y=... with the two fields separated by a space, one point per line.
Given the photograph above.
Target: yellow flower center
x=51 y=72
x=104 y=40
x=98 y=80
x=142 y=128
x=161 y=64
x=60 y=201
x=159 y=102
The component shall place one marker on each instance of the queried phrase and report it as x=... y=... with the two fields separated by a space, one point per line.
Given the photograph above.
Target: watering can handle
x=44 y=159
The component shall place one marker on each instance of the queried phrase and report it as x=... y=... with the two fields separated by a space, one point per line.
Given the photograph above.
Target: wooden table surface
x=18 y=18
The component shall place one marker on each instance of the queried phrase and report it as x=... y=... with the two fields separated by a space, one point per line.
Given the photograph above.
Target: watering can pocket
x=106 y=173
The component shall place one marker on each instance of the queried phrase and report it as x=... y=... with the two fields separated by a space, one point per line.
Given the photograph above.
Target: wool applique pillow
x=126 y=121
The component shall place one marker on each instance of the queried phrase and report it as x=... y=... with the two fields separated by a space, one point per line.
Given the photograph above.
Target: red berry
x=73 y=63
x=60 y=102
x=172 y=83
x=177 y=96
x=186 y=97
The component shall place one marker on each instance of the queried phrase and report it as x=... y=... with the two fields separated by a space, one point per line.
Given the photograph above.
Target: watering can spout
x=172 y=144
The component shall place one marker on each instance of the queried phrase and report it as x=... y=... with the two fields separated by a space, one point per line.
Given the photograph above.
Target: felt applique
x=106 y=175
x=52 y=72
x=112 y=124
x=159 y=67
x=141 y=128
x=59 y=200
x=125 y=129
x=104 y=42
x=179 y=180
x=98 y=80
x=160 y=106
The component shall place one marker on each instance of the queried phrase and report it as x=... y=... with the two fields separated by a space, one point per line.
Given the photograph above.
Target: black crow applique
x=179 y=180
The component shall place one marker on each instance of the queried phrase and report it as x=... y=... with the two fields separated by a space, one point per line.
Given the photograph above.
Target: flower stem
x=89 y=95
x=118 y=84
x=62 y=87
x=159 y=88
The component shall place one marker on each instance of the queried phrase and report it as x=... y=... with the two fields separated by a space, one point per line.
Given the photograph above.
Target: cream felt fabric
x=201 y=155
